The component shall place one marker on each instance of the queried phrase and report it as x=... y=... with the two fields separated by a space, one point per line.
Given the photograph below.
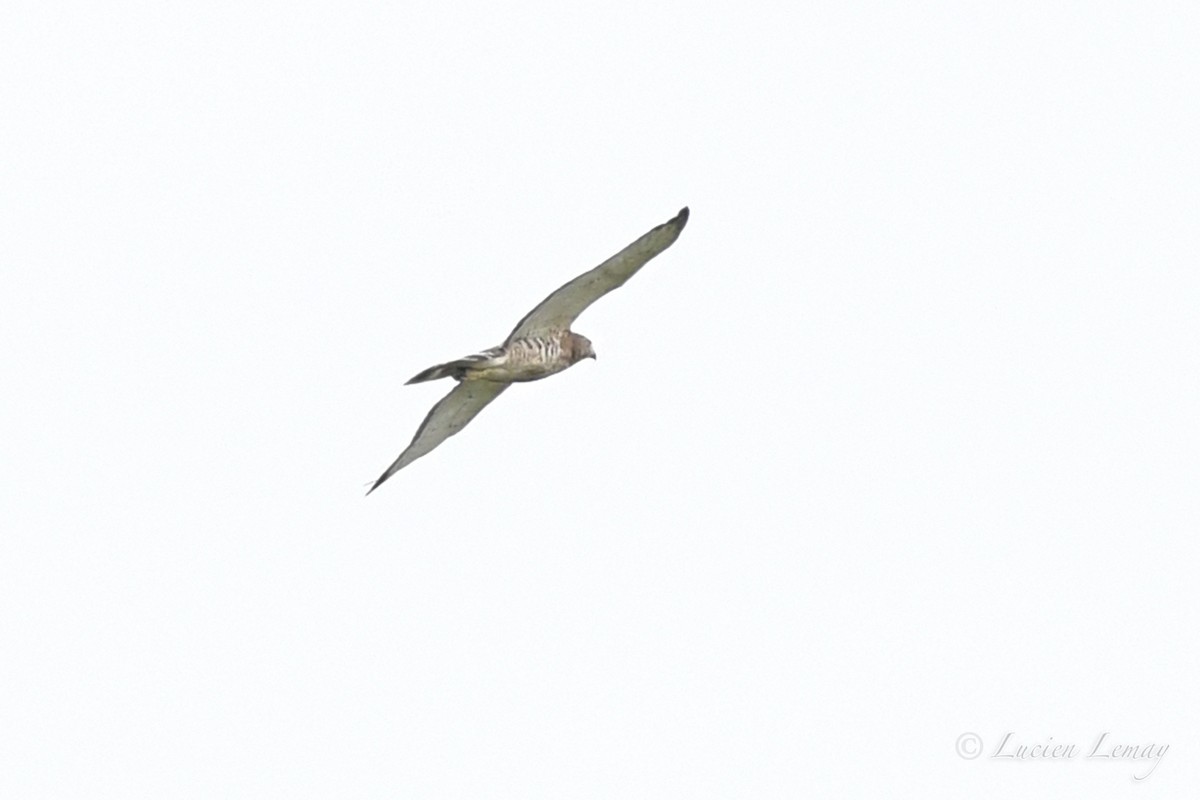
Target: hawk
x=541 y=345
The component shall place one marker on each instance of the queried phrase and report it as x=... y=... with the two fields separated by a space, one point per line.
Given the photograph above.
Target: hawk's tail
x=456 y=368
x=451 y=369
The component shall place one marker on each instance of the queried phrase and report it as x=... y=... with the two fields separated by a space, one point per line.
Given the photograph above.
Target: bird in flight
x=541 y=345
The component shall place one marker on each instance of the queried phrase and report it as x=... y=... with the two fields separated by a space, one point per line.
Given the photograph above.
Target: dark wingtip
x=681 y=218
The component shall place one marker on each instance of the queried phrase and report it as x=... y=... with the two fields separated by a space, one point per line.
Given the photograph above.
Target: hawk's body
x=541 y=345
x=530 y=358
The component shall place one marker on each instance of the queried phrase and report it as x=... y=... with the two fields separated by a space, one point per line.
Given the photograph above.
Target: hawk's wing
x=448 y=417
x=559 y=310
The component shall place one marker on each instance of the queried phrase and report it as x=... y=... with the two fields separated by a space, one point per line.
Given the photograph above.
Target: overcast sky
x=898 y=444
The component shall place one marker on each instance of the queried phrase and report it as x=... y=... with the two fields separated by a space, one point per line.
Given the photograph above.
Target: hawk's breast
x=527 y=359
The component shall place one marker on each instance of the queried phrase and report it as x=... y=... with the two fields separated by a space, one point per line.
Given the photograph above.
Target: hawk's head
x=581 y=348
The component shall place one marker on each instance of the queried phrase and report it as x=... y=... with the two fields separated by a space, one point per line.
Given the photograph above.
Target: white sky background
x=899 y=441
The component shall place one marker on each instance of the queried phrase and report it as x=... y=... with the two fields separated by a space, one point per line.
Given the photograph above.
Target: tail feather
x=456 y=368
x=451 y=369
